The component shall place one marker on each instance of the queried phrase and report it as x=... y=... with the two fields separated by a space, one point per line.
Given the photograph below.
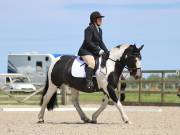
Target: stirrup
x=90 y=85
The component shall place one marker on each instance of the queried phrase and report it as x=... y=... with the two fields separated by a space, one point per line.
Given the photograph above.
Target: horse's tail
x=53 y=101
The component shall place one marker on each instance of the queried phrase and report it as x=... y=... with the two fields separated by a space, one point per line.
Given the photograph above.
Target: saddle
x=78 y=67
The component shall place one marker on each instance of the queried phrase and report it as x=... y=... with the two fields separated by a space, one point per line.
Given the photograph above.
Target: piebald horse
x=106 y=80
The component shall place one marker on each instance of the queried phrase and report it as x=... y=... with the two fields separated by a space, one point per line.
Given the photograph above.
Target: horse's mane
x=118 y=46
x=103 y=61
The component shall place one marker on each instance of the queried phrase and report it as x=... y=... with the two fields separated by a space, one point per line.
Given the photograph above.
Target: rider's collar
x=97 y=27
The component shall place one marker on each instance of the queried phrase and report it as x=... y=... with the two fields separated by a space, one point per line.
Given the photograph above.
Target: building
x=34 y=65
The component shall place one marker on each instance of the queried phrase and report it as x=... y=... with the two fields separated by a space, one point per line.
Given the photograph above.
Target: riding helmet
x=95 y=15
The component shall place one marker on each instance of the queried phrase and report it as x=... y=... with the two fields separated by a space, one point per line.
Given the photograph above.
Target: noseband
x=130 y=69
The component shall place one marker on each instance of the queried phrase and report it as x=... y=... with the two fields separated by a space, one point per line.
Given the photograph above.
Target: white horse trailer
x=33 y=65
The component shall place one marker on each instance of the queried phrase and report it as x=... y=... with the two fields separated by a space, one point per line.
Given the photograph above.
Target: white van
x=16 y=82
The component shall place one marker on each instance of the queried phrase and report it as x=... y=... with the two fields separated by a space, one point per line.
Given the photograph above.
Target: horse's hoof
x=40 y=122
x=87 y=121
x=94 y=121
x=128 y=122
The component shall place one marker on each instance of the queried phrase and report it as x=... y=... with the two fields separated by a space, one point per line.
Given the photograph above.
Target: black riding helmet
x=94 y=15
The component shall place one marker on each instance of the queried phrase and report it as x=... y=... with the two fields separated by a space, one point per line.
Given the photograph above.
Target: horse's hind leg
x=101 y=108
x=75 y=101
x=46 y=98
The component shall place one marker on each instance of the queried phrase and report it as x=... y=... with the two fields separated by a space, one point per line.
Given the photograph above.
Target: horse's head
x=133 y=60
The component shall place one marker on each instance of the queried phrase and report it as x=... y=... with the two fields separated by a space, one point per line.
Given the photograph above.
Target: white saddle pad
x=78 y=68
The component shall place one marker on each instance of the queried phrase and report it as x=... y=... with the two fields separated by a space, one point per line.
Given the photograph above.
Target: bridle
x=130 y=69
x=117 y=61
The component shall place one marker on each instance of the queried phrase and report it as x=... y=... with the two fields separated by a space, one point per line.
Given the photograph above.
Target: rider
x=92 y=46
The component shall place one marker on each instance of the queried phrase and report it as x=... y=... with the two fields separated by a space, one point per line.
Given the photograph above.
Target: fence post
x=63 y=94
x=140 y=89
x=163 y=87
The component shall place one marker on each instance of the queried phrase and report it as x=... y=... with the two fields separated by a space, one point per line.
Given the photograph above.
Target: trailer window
x=29 y=58
x=47 y=58
x=7 y=80
x=39 y=66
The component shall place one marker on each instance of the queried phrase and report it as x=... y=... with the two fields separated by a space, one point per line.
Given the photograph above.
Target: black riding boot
x=89 y=78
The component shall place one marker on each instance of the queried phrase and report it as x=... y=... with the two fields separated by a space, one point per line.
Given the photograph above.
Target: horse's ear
x=140 y=48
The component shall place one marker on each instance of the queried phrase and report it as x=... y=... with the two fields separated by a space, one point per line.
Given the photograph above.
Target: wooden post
x=140 y=89
x=163 y=87
x=63 y=94
x=30 y=96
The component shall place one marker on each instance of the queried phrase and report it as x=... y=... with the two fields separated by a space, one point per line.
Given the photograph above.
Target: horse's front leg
x=118 y=104
x=101 y=108
x=75 y=101
x=122 y=88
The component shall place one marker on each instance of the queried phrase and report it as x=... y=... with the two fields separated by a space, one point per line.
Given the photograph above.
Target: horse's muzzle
x=138 y=74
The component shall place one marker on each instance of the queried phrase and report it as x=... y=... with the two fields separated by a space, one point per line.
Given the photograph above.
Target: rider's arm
x=88 y=39
x=102 y=45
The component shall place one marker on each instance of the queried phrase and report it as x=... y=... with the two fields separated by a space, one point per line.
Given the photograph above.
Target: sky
x=57 y=26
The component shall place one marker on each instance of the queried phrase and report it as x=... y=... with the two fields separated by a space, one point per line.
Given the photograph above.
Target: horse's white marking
x=102 y=82
x=138 y=63
x=51 y=68
x=101 y=108
x=122 y=112
x=115 y=54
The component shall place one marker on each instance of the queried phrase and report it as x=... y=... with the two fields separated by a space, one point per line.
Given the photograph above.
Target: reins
x=117 y=61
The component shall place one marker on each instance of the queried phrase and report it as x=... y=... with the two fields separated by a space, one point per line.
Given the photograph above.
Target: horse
x=69 y=70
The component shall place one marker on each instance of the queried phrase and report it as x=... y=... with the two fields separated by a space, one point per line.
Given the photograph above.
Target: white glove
x=101 y=52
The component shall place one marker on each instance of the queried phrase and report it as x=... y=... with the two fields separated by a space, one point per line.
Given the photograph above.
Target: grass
x=91 y=98
x=171 y=98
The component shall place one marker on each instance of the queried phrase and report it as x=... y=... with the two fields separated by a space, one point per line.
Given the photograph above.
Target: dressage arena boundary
x=86 y=109
x=140 y=91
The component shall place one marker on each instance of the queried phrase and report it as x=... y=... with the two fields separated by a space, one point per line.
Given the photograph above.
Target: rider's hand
x=105 y=55
x=101 y=52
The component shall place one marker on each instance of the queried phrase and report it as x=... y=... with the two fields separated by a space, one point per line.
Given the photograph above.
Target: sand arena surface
x=146 y=121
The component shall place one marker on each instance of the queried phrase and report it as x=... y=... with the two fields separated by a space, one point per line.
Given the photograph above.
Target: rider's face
x=99 y=21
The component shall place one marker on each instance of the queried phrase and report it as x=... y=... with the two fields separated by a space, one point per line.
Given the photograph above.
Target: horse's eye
x=140 y=57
